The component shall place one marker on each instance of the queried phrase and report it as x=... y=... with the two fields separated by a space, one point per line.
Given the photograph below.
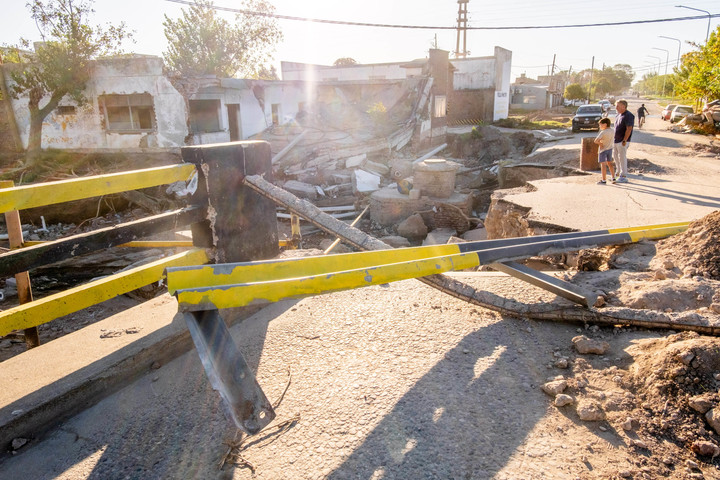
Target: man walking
x=624 y=122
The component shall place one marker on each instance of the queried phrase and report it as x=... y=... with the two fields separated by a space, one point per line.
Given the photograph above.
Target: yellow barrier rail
x=70 y=301
x=29 y=196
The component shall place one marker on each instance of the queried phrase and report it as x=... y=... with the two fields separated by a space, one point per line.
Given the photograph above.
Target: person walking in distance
x=605 y=140
x=624 y=122
x=641 y=115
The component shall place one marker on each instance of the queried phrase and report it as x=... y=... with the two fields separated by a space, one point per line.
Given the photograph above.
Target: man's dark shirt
x=622 y=122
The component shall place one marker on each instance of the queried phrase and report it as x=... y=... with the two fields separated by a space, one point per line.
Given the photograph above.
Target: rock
x=702 y=403
x=599 y=301
x=396 y=241
x=626 y=474
x=713 y=418
x=630 y=424
x=705 y=448
x=555 y=387
x=413 y=228
x=561 y=363
x=585 y=345
x=639 y=444
x=590 y=411
x=660 y=275
x=561 y=400
x=686 y=357
x=18 y=443
x=668 y=264
x=715 y=307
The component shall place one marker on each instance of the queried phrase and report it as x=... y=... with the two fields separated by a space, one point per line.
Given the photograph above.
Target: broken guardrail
x=203 y=290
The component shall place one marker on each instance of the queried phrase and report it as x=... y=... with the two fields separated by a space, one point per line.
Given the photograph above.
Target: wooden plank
x=22 y=278
x=38 y=195
x=75 y=299
x=64 y=248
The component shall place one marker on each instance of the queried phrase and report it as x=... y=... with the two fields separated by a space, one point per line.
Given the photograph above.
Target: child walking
x=605 y=140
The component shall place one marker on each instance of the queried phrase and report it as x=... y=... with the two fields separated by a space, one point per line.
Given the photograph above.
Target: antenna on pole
x=462 y=29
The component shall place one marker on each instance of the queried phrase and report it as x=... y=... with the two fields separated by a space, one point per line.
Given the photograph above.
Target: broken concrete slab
x=355 y=161
x=365 y=182
x=301 y=189
x=390 y=207
x=439 y=236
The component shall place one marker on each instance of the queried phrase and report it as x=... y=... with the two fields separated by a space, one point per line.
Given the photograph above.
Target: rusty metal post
x=24 y=289
x=241 y=224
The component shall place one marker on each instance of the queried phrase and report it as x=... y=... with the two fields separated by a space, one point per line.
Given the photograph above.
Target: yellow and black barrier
x=232 y=285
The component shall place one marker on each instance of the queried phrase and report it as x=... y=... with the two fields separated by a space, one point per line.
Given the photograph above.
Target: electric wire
x=430 y=27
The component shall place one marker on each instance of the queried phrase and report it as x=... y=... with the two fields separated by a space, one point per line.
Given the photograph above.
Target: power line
x=429 y=27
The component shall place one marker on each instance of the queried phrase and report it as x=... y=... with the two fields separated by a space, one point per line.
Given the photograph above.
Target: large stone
x=703 y=403
x=413 y=228
x=713 y=418
x=586 y=345
x=475 y=235
x=561 y=400
x=555 y=387
x=590 y=411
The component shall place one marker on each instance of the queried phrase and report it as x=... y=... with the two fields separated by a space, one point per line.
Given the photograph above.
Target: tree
x=344 y=62
x=699 y=73
x=201 y=43
x=575 y=91
x=62 y=64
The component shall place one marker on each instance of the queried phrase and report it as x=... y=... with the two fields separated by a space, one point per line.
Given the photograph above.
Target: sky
x=532 y=49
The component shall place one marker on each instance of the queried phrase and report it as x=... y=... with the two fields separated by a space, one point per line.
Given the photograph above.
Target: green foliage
x=575 y=91
x=523 y=123
x=202 y=43
x=699 y=74
x=61 y=63
x=344 y=62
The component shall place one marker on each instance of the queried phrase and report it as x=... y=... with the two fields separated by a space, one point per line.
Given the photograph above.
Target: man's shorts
x=605 y=156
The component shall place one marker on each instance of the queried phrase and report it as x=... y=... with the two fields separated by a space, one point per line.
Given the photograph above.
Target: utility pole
x=592 y=69
x=548 y=95
x=462 y=29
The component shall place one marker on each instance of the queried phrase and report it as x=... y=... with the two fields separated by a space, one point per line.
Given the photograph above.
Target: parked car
x=665 y=114
x=587 y=116
x=680 y=112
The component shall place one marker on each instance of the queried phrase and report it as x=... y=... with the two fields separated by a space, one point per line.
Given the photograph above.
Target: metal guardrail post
x=241 y=225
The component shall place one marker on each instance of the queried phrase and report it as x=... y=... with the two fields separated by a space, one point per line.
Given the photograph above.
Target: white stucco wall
x=86 y=128
x=473 y=73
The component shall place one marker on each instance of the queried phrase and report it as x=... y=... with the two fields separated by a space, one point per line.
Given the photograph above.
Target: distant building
x=530 y=94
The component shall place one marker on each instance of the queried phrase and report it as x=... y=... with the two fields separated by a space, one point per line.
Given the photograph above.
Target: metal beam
x=50 y=252
x=234 y=285
x=546 y=282
x=75 y=299
x=228 y=371
x=41 y=194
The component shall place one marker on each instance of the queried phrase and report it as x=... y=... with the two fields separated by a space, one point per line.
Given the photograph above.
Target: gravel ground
x=395 y=382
